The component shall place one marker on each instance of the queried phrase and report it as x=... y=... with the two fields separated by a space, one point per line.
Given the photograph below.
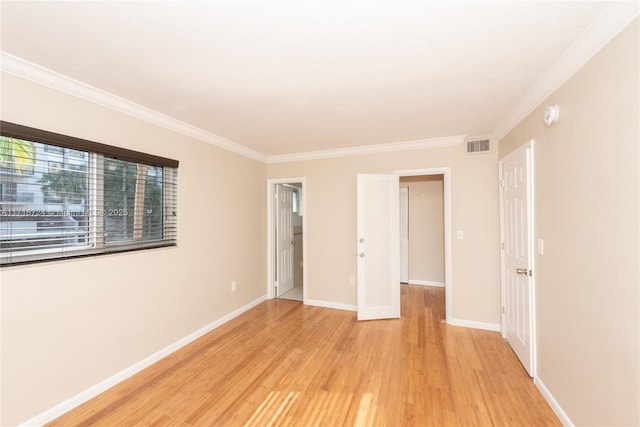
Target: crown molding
x=419 y=144
x=49 y=78
x=613 y=19
x=28 y=70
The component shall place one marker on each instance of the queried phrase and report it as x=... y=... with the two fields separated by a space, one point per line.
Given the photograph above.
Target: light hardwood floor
x=283 y=363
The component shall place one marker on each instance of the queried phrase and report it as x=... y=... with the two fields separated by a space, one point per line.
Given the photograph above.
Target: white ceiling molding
x=49 y=78
x=46 y=77
x=613 y=19
x=419 y=144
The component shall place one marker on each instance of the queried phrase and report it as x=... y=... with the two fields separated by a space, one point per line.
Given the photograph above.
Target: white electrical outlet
x=233 y=286
x=352 y=280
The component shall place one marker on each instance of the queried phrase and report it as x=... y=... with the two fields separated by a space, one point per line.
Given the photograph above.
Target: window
x=8 y=192
x=53 y=149
x=62 y=197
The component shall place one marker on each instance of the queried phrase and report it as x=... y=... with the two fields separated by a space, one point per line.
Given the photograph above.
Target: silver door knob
x=361 y=254
x=361 y=240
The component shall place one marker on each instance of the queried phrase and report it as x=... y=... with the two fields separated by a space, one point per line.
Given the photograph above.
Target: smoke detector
x=551 y=115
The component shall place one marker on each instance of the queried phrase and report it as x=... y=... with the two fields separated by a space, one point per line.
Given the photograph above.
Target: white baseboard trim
x=564 y=418
x=329 y=304
x=80 y=398
x=475 y=325
x=426 y=283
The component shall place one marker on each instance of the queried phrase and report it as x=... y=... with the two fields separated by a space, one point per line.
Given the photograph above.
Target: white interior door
x=284 y=240
x=378 y=247
x=517 y=253
x=404 y=234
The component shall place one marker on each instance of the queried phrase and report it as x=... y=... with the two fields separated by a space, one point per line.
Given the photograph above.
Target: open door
x=517 y=253
x=378 y=247
x=284 y=239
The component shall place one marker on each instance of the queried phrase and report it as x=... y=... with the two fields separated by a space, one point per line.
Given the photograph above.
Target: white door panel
x=378 y=247
x=517 y=255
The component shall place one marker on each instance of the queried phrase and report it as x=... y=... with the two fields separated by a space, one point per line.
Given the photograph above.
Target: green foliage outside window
x=17 y=155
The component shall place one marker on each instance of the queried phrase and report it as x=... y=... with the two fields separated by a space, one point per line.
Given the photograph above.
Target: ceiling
x=290 y=76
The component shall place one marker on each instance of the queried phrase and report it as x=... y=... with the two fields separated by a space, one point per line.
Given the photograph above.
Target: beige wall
x=426 y=227
x=68 y=325
x=586 y=210
x=330 y=193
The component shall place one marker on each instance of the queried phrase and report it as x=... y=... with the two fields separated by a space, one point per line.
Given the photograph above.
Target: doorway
x=286 y=239
x=422 y=230
x=378 y=206
x=429 y=258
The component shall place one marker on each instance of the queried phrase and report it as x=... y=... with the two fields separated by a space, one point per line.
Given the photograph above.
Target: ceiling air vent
x=478 y=146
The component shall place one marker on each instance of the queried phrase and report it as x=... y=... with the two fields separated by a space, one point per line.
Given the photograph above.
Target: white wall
x=587 y=211
x=67 y=325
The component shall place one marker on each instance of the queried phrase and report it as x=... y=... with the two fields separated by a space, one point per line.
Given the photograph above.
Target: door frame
x=271 y=223
x=448 y=258
x=530 y=232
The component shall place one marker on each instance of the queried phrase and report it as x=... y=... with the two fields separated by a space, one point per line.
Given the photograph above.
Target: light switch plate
x=540 y=247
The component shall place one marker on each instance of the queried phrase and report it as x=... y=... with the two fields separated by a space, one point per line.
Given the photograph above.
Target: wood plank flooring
x=286 y=364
